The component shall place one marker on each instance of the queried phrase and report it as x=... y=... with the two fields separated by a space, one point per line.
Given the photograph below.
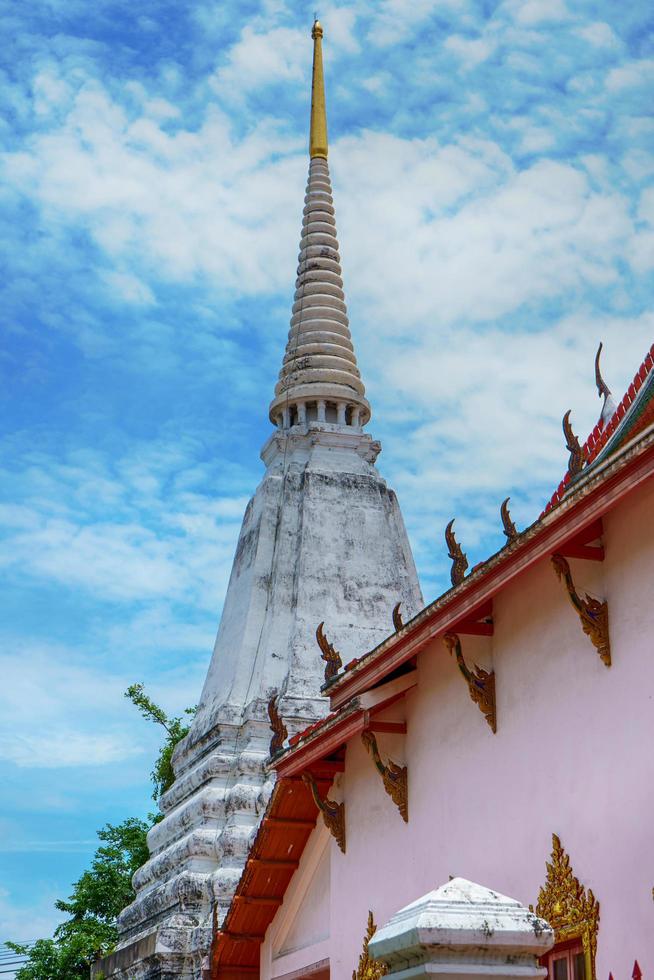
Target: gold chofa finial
x=318 y=137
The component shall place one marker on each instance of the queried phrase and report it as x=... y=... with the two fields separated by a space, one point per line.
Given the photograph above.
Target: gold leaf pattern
x=369 y=969
x=571 y=910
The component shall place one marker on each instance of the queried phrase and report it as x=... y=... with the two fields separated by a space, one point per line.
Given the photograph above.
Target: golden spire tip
x=318 y=135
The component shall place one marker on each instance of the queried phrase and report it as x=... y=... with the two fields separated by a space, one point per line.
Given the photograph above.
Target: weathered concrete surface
x=322 y=539
x=463 y=930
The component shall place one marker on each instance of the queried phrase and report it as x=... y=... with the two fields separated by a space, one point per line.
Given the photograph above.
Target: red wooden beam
x=579 y=546
x=291 y=822
x=275 y=863
x=473 y=627
x=395 y=727
x=233 y=971
x=586 y=551
x=327 y=768
x=259 y=900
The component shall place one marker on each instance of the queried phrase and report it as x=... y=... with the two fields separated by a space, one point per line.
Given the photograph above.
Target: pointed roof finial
x=603 y=390
x=318 y=137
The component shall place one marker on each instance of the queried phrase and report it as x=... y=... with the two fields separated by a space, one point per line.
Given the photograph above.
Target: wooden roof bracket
x=593 y=613
x=481 y=683
x=394 y=777
x=333 y=813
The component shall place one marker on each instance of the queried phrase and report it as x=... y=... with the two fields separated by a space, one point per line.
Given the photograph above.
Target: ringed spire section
x=319 y=380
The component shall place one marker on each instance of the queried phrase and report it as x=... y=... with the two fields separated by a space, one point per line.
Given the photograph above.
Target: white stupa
x=322 y=540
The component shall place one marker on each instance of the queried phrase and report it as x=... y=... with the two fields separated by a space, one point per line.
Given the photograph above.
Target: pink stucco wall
x=573 y=754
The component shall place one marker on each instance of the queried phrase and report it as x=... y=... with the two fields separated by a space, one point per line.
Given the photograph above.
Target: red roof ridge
x=600 y=435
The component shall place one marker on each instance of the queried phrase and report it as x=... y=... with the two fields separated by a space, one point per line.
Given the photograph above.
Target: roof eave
x=617 y=477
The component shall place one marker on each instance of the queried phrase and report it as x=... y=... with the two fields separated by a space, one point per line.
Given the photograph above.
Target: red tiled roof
x=273 y=858
x=299 y=736
x=599 y=437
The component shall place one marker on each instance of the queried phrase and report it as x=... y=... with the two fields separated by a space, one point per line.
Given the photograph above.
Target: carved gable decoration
x=368 y=968
x=571 y=910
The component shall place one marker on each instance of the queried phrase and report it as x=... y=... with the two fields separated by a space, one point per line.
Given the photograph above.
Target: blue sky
x=492 y=167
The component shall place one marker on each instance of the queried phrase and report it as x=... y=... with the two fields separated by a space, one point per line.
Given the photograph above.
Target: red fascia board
x=565 y=522
x=599 y=438
x=325 y=741
x=310 y=755
x=252 y=909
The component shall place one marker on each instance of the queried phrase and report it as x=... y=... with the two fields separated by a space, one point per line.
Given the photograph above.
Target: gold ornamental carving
x=577 y=457
x=394 y=777
x=333 y=813
x=331 y=656
x=279 y=729
x=571 y=910
x=509 y=528
x=369 y=969
x=459 y=559
x=593 y=614
x=481 y=683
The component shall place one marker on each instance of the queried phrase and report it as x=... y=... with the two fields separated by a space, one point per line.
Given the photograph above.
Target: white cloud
x=638 y=164
x=49 y=705
x=537 y=11
x=129 y=287
x=163 y=542
x=470 y=51
x=259 y=58
x=181 y=205
x=633 y=74
x=641 y=245
x=646 y=206
x=392 y=21
x=466 y=236
x=62 y=748
x=537 y=139
x=50 y=90
x=376 y=83
x=483 y=417
x=600 y=34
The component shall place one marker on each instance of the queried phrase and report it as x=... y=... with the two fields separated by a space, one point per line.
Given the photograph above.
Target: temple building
x=497 y=744
x=373 y=786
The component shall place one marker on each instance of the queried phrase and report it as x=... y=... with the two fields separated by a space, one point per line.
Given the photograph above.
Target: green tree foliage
x=104 y=890
x=98 y=896
x=175 y=728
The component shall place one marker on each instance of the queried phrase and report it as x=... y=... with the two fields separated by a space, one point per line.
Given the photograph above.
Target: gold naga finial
x=577 y=458
x=279 y=729
x=459 y=559
x=510 y=529
x=329 y=654
x=318 y=137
